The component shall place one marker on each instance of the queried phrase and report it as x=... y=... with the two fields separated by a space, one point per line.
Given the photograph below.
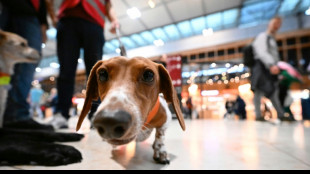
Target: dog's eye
x=23 y=44
x=103 y=75
x=148 y=76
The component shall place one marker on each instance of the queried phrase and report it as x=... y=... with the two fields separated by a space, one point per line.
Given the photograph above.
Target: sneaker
x=289 y=119
x=276 y=121
x=59 y=122
x=260 y=119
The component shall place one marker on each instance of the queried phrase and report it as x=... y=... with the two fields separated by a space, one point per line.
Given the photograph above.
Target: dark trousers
x=29 y=28
x=283 y=90
x=72 y=35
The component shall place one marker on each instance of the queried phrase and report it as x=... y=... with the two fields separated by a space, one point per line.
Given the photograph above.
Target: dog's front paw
x=68 y=137
x=60 y=155
x=161 y=158
x=29 y=124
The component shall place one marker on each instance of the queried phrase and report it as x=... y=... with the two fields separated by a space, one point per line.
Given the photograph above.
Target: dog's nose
x=112 y=125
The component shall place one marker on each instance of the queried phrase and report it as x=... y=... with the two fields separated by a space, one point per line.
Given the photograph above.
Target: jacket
x=25 y=7
x=95 y=8
x=263 y=80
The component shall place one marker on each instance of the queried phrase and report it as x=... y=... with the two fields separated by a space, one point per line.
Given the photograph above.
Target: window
x=305 y=39
x=252 y=11
x=231 y=51
x=292 y=57
x=160 y=34
x=211 y=54
x=221 y=53
x=202 y=55
x=281 y=55
x=193 y=57
x=306 y=56
x=291 y=41
x=184 y=59
x=240 y=49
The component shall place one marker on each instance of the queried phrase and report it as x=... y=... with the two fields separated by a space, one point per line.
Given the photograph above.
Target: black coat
x=263 y=80
x=25 y=8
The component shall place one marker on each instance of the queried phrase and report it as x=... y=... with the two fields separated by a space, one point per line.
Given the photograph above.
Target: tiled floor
x=206 y=145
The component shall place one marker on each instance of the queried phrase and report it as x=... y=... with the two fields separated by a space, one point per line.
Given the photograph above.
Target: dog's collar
x=5 y=79
x=153 y=113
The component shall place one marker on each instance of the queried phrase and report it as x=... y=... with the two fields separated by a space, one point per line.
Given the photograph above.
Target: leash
x=153 y=113
x=121 y=45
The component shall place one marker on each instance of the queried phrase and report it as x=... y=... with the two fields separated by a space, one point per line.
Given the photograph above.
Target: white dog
x=13 y=49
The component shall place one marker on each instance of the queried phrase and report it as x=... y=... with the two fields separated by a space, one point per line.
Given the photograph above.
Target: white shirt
x=267 y=53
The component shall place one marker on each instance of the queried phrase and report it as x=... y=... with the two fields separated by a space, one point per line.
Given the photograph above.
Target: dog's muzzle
x=33 y=55
x=112 y=124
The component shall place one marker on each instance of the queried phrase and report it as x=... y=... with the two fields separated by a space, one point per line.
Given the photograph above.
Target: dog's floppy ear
x=91 y=93
x=2 y=36
x=170 y=94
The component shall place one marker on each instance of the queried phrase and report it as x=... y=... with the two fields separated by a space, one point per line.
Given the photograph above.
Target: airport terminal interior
x=201 y=43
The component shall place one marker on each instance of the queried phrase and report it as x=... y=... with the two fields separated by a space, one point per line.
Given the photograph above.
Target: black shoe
x=260 y=119
x=289 y=119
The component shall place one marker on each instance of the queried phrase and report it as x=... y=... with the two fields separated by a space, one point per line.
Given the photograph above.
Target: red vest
x=36 y=4
x=95 y=8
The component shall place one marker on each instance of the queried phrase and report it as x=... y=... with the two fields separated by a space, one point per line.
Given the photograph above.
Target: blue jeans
x=29 y=28
x=72 y=35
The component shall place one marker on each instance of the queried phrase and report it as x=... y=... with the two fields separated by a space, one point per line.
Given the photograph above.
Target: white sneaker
x=275 y=121
x=59 y=122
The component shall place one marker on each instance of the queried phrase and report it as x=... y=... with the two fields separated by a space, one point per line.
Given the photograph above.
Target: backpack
x=248 y=56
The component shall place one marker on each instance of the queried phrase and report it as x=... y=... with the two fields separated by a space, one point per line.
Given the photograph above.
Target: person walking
x=265 y=72
x=81 y=25
x=28 y=19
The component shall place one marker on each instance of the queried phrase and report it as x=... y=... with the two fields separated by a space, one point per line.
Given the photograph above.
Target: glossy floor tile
x=205 y=145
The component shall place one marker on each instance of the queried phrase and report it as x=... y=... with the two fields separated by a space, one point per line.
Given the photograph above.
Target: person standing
x=240 y=108
x=27 y=18
x=36 y=94
x=81 y=25
x=230 y=109
x=189 y=105
x=265 y=72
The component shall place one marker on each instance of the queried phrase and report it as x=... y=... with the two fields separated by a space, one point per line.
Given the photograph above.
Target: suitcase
x=305 y=104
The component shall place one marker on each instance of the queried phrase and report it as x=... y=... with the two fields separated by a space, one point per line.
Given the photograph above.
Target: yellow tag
x=5 y=80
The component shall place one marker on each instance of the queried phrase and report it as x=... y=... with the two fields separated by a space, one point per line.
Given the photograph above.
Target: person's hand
x=114 y=25
x=43 y=33
x=274 y=70
x=54 y=21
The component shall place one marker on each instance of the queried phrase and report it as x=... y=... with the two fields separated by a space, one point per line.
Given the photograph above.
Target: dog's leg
x=160 y=154
x=144 y=134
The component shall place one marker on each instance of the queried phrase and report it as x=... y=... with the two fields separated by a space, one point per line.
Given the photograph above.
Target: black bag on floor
x=305 y=104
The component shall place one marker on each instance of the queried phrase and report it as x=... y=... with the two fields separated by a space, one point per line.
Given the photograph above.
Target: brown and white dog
x=13 y=49
x=132 y=104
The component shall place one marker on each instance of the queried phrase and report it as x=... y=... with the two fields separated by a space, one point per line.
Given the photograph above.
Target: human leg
x=93 y=42
x=257 y=104
x=68 y=51
x=17 y=105
x=277 y=104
